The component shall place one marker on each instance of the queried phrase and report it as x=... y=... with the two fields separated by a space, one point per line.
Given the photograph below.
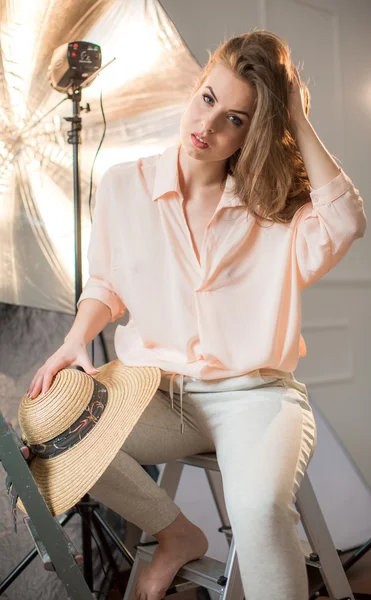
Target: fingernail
x=25 y=451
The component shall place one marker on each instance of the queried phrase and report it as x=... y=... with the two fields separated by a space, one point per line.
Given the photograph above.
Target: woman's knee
x=254 y=505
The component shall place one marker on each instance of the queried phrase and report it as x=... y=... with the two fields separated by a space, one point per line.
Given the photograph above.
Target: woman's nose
x=208 y=126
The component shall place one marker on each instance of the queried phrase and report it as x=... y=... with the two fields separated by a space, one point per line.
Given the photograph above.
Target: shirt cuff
x=331 y=191
x=105 y=295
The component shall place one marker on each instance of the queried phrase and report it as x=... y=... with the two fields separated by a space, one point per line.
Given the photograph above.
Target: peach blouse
x=237 y=311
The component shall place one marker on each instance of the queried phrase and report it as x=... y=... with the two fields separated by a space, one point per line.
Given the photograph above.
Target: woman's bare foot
x=179 y=543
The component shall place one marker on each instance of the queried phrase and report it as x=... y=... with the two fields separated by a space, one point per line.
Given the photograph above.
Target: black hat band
x=78 y=430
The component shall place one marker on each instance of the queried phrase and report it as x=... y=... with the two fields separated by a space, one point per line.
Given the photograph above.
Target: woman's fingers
x=35 y=388
x=43 y=378
x=87 y=365
x=32 y=384
x=45 y=375
x=47 y=381
x=25 y=451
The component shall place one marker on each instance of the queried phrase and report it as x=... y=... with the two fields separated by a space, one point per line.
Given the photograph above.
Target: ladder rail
x=46 y=526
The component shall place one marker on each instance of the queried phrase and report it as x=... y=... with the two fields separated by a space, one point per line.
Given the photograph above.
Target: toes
x=139 y=595
x=149 y=594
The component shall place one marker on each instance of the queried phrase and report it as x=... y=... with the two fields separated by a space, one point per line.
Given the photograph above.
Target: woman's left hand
x=296 y=100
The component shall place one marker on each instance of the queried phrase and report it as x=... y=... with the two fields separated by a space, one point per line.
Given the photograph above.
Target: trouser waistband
x=233 y=383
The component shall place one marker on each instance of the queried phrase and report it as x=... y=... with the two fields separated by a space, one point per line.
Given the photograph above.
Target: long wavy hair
x=268 y=171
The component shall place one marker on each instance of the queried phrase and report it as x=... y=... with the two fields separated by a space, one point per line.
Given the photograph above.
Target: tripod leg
x=104 y=544
x=86 y=546
x=17 y=571
x=114 y=537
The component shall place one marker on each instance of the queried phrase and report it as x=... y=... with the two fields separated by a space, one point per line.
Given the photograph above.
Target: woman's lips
x=197 y=142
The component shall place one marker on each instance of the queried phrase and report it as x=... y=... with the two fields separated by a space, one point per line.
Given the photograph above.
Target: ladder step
x=209 y=572
x=42 y=551
x=179 y=585
x=206 y=460
x=206 y=572
x=311 y=559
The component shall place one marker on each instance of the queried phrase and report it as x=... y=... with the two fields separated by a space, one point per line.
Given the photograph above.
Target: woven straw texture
x=65 y=479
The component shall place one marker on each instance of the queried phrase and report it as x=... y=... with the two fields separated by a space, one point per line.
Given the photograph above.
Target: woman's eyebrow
x=242 y=112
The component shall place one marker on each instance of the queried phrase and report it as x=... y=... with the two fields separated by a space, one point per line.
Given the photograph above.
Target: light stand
x=75 y=140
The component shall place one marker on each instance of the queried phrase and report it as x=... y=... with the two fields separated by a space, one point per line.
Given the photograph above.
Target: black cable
x=96 y=154
x=91 y=182
x=99 y=551
x=105 y=578
x=106 y=573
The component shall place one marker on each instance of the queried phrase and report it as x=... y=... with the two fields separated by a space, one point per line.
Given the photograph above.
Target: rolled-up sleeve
x=326 y=228
x=99 y=285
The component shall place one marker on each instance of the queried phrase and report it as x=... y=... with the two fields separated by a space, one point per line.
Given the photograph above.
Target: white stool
x=224 y=578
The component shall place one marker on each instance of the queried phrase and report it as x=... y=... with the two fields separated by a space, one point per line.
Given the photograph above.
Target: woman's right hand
x=71 y=353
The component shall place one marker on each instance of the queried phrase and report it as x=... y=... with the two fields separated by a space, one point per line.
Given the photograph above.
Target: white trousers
x=262 y=428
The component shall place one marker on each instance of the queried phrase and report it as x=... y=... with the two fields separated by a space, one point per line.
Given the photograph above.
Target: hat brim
x=65 y=479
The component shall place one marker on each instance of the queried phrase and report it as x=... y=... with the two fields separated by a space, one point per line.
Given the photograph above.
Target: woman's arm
x=327 y=226
x=100 y=252
x=91 y=318
x=319 y=164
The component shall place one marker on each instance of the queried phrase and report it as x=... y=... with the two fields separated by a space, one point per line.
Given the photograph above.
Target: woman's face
x=220 y=112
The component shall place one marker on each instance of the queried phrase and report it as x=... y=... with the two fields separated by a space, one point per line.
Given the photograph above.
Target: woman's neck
x=197 y=176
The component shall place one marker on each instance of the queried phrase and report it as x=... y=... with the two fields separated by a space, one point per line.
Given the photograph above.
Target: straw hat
x=75 y=430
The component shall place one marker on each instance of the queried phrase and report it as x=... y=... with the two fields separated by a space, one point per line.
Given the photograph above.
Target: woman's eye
x=209 y=97
x=237 y=121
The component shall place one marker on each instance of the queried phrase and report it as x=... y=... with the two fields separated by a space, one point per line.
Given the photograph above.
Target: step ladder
x=224 y=579
x=54 y=547
x=57 y=552
x=42 y=551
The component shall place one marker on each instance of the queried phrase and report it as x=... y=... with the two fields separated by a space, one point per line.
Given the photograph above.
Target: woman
x=209 y=245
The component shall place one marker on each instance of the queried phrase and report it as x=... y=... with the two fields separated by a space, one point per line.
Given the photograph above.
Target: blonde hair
x=268 y=171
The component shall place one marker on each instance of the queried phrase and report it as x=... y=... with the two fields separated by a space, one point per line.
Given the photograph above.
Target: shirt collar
x=167 y=179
